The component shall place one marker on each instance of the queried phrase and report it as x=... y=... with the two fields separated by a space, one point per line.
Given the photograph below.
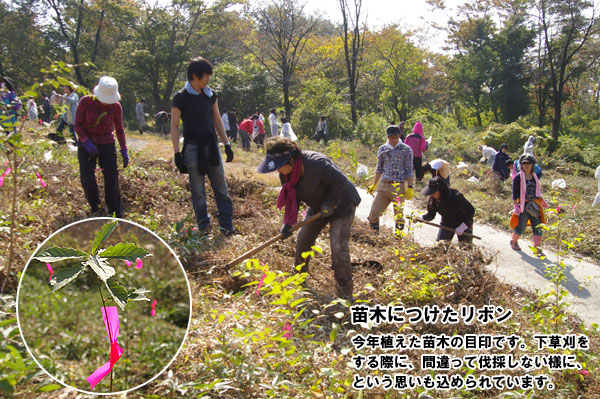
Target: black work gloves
x=179 y=163
x=229 y=152
x=285 y=231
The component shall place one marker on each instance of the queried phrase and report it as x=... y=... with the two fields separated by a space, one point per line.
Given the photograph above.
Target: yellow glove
x=371 y=189
x=409 y=193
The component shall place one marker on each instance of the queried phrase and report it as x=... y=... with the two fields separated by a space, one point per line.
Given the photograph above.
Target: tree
x=282 y=31
x=243 y=86
x=21 y=45
x=512 y=76
x=353 y=39
x=567 y=31
x=476 y=59
x=162 y=42
x=396 y=67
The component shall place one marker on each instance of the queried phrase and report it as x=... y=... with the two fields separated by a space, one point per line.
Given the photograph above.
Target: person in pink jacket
x=416 y=141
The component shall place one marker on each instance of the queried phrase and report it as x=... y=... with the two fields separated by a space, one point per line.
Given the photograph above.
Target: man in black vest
x=197 y=107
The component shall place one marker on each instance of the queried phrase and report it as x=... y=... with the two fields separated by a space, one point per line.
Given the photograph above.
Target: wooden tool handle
x=445 y=228
x=265 y=244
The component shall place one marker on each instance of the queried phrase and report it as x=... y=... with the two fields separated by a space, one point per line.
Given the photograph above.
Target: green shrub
x=570 y=149
x=513 y=135
x=320 y=97
x=370 y=130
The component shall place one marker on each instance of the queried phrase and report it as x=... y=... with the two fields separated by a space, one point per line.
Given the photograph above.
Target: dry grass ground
x=235 y=348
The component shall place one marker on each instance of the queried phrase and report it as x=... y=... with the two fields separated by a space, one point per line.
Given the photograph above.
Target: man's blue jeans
x=216 y=175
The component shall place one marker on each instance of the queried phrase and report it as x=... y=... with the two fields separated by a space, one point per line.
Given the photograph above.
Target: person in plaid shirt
x=394 y=169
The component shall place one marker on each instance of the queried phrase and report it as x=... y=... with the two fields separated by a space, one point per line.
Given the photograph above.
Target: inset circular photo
x=103 y=306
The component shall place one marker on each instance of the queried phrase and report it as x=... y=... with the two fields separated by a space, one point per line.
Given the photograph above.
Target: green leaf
x=64 y=276
x=56 y=254
x=49 y=387
x=334 y=332
x=100 y=266
x=118 y=292
x=138 y=295
x=124 y=251
x=102 y=235
x=298 y=302
x=7 y=322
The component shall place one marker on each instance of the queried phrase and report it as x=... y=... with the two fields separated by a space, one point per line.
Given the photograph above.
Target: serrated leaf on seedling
x=102 y=235
x=65 y=276
x=118 y=292
x=124 y=251
x=138 y=295
x=57 y=254
x=100 y=266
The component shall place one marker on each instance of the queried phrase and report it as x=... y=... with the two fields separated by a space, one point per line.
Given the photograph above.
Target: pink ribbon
x=41 y=181
x=153 y=312
x=260 y=283
x=138 y=263
x=6 y=172
x=288 y=328
x=111 y=322
x=49 y=266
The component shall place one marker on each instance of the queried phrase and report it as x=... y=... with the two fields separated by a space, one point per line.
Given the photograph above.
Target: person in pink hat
x=416 y=141
x=96 y=119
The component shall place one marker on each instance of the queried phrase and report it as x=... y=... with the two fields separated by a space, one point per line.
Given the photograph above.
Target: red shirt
x=96 y=121
x=246 y=125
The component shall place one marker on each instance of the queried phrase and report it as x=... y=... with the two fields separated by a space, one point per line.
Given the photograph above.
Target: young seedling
x=98 y=261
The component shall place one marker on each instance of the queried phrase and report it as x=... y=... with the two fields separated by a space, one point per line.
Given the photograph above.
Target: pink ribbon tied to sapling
x=4 y=174
x=40 y=179
x=288 y=330
x=138 y=263
x=153 y=311
x=49 y=266
x=260 y=284
x=111 y=322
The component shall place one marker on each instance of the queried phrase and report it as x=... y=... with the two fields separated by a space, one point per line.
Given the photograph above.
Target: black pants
x=62 y=125
x=232 y=134
x=107 y=160
x=320 y=134
x=418 y=167
x=448 y=235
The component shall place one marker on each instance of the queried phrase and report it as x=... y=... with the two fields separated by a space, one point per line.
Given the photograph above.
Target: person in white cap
x=96 y=119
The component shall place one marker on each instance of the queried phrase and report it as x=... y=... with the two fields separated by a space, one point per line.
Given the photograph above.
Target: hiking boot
x=515 y=245
x=375 y=226
x=538 y=252
x=227 y=233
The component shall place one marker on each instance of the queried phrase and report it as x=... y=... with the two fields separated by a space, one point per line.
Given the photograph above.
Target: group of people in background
x=252 y=129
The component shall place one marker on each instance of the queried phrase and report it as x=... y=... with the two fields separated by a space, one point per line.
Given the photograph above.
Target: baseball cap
x=272 y=162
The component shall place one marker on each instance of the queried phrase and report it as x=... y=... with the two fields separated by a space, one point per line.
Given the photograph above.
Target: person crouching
x=312 y=178
x=456 y=211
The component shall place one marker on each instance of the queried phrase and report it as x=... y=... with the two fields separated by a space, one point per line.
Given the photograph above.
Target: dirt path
x=520 y=268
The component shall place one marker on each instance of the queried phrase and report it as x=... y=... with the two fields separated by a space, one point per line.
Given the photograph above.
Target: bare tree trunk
x=353 y=45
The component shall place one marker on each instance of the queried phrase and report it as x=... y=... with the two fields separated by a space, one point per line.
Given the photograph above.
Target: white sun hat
x=107 y=90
